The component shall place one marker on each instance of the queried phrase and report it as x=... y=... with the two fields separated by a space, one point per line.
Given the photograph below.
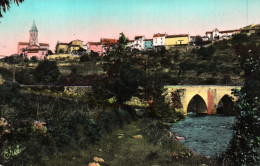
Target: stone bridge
x=207 y=99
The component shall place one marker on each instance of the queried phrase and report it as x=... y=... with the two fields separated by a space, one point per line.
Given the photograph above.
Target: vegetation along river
x=206 y=135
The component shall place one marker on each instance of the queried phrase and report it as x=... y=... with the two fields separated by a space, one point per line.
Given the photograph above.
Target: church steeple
x=33 y=35
x=34 y=28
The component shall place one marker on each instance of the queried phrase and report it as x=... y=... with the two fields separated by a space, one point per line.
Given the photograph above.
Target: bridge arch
x=197 y=104
x=226 y=105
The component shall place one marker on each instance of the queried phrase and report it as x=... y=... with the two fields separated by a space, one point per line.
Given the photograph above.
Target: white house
x=216 y=34
x=139 y=42
x=159 y=39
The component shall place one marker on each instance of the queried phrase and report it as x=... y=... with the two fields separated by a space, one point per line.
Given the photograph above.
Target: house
x=107 y=44
x=216 y=34
x=130 y=44
x=75 y=45
x=250 y=29
x=33 y=47
x=205 y=38
x=159 y=39
x=148 y=43
x=61 y=48
x=139 y=42
x=176 y=40
x=95 y=47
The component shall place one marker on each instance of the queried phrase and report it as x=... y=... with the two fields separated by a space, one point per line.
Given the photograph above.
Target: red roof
x=94 y=43
x=148 y=39
x=23 y=43
x=110 y=41
x=159 y=35
x=180 y=35
x=227 y=31
x=130 y=40
x=209 y=32
x=44 y=44
x=137 y=37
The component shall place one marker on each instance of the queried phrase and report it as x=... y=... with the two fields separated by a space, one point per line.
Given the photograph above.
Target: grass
x=119 y=148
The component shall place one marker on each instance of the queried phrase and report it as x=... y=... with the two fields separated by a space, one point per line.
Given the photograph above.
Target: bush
x=46 y=72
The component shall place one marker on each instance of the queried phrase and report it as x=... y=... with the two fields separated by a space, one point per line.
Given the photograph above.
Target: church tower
x=33 y=35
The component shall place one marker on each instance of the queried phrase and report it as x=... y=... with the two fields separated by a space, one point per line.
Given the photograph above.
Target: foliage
x=46 y=72
x=198 y=41
x=123 y=78
x=244 y=148
x=239 y=38
x=84 y=58
x=206 y=52
x=5 y=5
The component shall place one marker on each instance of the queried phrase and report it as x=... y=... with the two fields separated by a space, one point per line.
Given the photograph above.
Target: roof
x=62 y=43
x=209 y=32
x=94 y=43
x=34 y=51
x=34 y=28
x=23 y=43
x=108 y=41
x=44 y=44
x=180 y=35
x=138 y=37
x=227 y=31
x=130 y=40
x=148 y=39
x=159 y=35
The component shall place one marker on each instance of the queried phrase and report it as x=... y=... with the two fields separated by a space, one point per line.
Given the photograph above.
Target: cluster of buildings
x=33 y=47
x=40 y=50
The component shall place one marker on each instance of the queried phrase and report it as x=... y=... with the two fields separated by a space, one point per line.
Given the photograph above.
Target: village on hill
x=75 y=48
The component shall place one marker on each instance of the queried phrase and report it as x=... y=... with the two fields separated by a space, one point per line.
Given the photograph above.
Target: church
x=33 y=47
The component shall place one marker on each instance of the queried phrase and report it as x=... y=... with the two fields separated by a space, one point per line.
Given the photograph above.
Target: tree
x=5 y=5
x=245 y=146
x=122 y=76
x=50 y=52
x=14 y=59
x=198 y=41
x=46 y=72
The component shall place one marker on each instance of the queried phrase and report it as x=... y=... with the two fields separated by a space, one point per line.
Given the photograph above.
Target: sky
x=90 y=20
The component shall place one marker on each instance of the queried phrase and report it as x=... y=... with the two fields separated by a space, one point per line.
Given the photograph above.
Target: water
x=206 y=135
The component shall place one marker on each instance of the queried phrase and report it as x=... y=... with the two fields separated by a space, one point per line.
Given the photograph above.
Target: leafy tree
x=84 y=58
x=46 y=72
x=123 y=78
x=34 y=59
x=5 y=5
x=245 y=146
x=50 y=52
x=14 y=59
x=239 y=38
x=198 y=41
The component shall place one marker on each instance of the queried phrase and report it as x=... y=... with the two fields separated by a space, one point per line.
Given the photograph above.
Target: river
x=208 y=135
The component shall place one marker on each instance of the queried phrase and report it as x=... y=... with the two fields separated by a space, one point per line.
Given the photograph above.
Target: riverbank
x=121 y=148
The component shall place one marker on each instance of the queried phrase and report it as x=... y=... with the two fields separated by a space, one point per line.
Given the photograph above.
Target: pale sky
x=89 y=20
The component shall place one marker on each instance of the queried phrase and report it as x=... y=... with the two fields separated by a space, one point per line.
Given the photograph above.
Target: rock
x=137 y=136
x=93 y=164
x=179 y=138
x=98 y=160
